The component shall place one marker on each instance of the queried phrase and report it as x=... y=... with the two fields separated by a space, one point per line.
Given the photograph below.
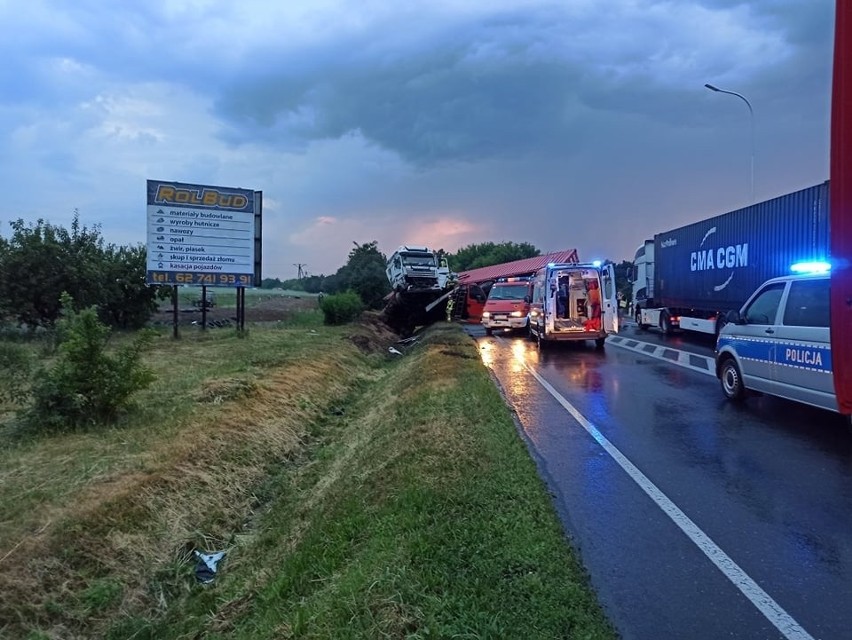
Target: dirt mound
x=371 y=334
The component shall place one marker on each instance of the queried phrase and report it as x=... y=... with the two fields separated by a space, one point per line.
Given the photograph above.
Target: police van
x=779 y=343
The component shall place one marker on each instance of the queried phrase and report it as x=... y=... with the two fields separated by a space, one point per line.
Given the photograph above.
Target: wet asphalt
x=695 y=517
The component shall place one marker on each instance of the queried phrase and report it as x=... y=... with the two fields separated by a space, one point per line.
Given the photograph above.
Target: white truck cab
x=416 y=268
x=574 y=301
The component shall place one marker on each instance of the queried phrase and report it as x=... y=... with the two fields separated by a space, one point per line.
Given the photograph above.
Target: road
x=695 y=517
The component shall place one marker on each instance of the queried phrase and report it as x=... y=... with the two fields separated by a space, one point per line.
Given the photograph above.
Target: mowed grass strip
x=420 y=515
x=99 y=525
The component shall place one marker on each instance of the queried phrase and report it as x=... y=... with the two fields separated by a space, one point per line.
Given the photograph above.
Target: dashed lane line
x=701 y=364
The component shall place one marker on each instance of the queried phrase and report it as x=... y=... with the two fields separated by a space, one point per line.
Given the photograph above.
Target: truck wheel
x=638 y=319
x=732 y=380
x=488 y=331
x=599 y=343
x=665 y=324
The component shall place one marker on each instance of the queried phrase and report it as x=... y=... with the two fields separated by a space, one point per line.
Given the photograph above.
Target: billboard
x=203 y=235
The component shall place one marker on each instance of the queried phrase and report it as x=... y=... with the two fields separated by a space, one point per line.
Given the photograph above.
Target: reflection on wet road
x=696 y=518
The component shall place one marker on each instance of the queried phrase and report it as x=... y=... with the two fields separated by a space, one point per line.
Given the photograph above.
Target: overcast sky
x=567 y=124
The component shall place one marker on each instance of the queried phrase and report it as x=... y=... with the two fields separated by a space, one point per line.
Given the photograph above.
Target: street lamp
x=751 y=113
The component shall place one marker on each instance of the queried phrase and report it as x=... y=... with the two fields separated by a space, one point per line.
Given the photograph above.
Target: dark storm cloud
x=519 y=82
x=479 y=91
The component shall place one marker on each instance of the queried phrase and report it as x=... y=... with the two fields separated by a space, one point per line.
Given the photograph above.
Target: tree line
x=41 y=261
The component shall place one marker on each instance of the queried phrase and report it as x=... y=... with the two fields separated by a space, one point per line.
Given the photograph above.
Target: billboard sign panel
x=202 y=235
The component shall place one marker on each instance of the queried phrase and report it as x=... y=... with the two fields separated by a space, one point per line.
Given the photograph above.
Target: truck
x=573 y=302
x=690 y=277
x=416 y=268
x=421 y=285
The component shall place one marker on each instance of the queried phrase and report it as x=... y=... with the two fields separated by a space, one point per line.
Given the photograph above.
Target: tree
x=486 y=254
x=126 y=300
x=41 y=261
x=622 y=279
x=364 y=273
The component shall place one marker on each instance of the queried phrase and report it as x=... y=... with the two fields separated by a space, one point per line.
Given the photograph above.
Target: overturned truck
x=421 y=285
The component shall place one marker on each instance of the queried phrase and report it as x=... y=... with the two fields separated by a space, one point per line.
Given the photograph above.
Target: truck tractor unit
x=690 y=277
x=573 y=302
x=416 y=268
x=508 y=305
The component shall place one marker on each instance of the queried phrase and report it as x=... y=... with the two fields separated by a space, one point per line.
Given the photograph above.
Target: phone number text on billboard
x=208 y=279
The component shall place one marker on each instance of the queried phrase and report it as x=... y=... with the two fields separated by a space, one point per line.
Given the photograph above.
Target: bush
x=341 y=308
x=15 y=366
x=86 y=384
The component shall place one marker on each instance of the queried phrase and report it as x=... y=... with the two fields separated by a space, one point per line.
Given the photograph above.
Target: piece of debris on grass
x=207 y=565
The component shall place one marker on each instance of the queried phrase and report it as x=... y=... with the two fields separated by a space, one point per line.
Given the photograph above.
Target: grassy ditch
x=358 y=495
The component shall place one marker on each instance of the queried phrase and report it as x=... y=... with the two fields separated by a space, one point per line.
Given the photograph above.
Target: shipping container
x=693 y=274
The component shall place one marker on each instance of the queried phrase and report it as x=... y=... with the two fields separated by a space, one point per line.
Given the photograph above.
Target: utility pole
x=302 y=271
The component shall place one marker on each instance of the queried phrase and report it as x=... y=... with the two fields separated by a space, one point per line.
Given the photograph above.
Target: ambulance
x=508 y=305
x=573 y=301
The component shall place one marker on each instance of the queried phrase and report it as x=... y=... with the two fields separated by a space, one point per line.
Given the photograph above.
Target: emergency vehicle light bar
x=811 y=267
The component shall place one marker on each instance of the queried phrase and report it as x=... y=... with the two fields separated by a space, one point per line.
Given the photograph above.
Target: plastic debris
x=396 y=352
x=205 y=570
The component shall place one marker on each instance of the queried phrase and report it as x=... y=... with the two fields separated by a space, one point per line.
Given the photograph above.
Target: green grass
x=226 y=298
x=358 y=496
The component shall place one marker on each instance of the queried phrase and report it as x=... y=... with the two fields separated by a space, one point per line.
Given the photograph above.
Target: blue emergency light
x=811 y=267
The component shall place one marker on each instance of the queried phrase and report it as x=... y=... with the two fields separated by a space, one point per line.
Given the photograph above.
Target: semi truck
x=690 y=277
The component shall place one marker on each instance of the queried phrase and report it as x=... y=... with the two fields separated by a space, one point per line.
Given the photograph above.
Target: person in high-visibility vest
x=450 y=305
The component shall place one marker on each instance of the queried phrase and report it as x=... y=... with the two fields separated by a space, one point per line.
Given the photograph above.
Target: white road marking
x=749 y=588
x=683 y=357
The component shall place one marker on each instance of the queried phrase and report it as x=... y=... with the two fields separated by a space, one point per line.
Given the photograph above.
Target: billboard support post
x=204 y=307
x=175 y=334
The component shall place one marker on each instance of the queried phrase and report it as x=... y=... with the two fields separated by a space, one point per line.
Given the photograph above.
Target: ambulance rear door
x=609 y=298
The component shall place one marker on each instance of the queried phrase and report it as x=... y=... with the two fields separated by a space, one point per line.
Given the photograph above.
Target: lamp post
x=751 y=113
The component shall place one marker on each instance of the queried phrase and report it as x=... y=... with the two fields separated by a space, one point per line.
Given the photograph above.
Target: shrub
x=86 y=384
x=341 y=308
x=15 y=366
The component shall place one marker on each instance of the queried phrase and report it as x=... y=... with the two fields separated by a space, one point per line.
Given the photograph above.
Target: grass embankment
x=357 y=496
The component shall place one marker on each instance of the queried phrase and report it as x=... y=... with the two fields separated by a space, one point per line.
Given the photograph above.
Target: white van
x=573 y=301
x=779 y=343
